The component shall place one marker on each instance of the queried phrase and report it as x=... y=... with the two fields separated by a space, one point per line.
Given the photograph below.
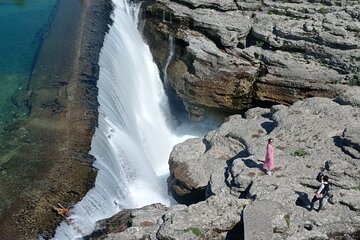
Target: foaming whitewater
x=133 y=140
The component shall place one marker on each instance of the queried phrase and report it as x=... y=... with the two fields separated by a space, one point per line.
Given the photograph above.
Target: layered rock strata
x=239 y=201
x=227 y=54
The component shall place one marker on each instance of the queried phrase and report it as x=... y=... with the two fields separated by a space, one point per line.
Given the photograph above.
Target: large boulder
x=193 y=162
x=239 y=201
x=130 y=224
x=222 y=55
x=310 y=136
x=216 y=218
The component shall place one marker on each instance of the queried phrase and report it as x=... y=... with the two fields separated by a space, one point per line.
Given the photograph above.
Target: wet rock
x=130 y=224
x=41 y=171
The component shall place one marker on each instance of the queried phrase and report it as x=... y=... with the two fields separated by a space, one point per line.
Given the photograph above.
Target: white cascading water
x=168 y=60
x=134 y=139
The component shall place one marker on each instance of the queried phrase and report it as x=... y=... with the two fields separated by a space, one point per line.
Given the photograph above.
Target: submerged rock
x=50 y=163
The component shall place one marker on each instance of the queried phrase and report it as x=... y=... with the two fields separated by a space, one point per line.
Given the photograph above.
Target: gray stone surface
x=131 y=224
x=226 y=55
x=257 y=221
x=350 y=97
x=310 y=136
x=210 y=219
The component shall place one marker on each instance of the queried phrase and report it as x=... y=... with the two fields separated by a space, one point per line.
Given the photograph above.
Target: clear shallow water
x=23 y=25
x=136 y=131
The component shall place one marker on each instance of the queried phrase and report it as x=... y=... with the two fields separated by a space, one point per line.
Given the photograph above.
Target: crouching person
x=321 y=193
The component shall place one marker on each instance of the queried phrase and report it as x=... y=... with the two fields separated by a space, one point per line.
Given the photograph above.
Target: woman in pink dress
x=269 y=163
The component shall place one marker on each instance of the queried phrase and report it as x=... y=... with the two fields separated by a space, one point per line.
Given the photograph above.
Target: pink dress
x=269 y=163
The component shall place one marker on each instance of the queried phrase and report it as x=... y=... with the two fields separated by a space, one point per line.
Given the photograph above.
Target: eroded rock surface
x=310 y=136
x=226 y=54
x=241 y=202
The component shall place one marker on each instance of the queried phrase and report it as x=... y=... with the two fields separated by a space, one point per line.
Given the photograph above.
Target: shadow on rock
x=303 y=200
x=268 y=126
x=252 y=164
x=237 y=232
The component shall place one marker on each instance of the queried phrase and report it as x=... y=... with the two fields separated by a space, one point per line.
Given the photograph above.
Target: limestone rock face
x=223 y=5
x=350 y=97
x=210 y=219
x=310 y=136
x=131 y=224
x=239 y=201
x=193 y=162
x=226 y=54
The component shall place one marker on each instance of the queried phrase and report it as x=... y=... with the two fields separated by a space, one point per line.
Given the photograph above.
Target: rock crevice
x=241 y=200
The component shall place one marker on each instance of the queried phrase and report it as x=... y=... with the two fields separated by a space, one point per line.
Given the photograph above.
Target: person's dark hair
x=326 y=178
x=270 y=140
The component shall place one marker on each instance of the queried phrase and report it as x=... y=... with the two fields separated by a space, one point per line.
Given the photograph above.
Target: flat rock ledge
x=239 y=201
x=230 y=54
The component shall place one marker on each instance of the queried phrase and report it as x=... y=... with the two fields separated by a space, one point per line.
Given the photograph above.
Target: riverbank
x=52 y=164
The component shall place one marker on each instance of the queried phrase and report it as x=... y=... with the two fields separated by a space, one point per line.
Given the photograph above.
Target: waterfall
x=168 y=61
x=133 y=139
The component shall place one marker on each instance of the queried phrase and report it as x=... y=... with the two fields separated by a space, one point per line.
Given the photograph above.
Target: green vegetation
x=354 y=81
x=287 y=219
x=300 y=153
x=302 y=10
x=259 y=43
x=323 y=11
x=194 y=231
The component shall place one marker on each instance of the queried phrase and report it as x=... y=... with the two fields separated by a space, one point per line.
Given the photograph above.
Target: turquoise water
x=23 y=26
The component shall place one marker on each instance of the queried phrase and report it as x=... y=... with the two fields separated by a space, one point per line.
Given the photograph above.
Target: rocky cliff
x=228 y=196
x=228 y=54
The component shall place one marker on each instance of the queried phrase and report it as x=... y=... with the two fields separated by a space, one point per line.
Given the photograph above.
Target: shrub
x=354 y=81
x=259 y=43
x=194 y=230
x=323 y=10
x=301 y=153
x=287 y=219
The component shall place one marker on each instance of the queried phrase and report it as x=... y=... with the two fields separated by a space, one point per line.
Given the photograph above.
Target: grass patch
x=194 y=231
x=287 y=220
x=300 y=153
x=323 y=10
x=259 y=43
x=354 y=81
